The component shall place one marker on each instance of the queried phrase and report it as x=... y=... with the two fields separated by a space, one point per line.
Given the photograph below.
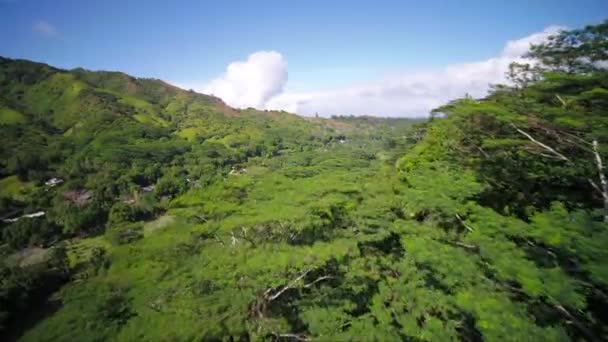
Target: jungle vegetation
x=133 y=210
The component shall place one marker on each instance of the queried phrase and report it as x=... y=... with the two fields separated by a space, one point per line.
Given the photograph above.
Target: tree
x=123 y=233
x=574 y=51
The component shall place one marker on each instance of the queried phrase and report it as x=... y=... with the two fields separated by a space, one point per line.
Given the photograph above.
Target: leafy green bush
x=30 y=231
x=124 y=233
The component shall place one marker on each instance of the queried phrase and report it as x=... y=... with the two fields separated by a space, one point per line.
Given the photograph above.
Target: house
x=53 y=181
x=148 y=188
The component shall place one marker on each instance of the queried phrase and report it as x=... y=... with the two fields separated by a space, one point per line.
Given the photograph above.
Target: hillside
x=136 y=211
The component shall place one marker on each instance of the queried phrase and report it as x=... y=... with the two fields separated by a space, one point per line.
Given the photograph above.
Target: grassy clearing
x=12 y=187
x=190 y=133
x=28 y=256
x=159 y=223
x=79 y=250
x=146 y=118
x=10 y=117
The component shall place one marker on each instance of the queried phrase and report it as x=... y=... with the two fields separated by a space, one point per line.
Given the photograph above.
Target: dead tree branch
x=219 y=239
x=588 y=333
x=317 y=280
x=233 y=239
x=201 y=218
x=469 y=228
x=466 y=246
x=298 y=337
x=554 y=152
x=258 y=307
x=603 y=187
x=268 y=297
x=594 y=186
x=544 y=249
x=561 y=100
x=484 y=153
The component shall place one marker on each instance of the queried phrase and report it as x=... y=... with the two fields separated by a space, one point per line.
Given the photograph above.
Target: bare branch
x=579 y=139
x=564 y=135
x=467 y=246
x=298 y=337
x=269 y=297
x=233 y=238
x=602 y=188
x=603 y=184
x=317 y=280
x=594 y=186
x=219 y=239
x=549 y=156
x=561 y=100
x=469 y=228
x=544 y=249
x=554 y=152
x=588 y=333
x=201 y=217
x=483 y=152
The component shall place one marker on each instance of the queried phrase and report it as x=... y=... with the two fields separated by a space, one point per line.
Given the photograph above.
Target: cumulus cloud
x=251 y=83
x=517 y=48
x=44 y=28
x=258 y=82
x=411 y=94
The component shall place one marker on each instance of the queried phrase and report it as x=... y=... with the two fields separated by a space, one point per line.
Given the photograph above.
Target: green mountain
x=136 y=211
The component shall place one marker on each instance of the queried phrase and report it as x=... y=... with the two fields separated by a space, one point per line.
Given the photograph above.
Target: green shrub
x=124 y=233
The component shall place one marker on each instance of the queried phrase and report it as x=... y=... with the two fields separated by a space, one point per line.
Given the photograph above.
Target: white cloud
x=251 y=83
x=45 y=29
x=410 y=94
x=258 y=82
x=517 y=48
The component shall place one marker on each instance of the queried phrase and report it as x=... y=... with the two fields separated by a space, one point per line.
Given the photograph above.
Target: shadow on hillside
x=30 y=319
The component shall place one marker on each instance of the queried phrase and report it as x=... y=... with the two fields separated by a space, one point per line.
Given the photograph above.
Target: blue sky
x=326 y=44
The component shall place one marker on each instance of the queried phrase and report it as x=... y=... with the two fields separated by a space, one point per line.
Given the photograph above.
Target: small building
x=79 y=197
x=53 y=182
x=236 y=171
x=148 y=188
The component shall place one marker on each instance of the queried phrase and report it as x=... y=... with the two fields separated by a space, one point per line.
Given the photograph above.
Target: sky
x=385 y=58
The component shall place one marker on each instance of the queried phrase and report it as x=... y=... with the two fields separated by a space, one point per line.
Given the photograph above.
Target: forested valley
x=132 y=210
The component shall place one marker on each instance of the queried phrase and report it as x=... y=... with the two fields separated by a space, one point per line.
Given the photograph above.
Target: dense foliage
x=179 y=218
